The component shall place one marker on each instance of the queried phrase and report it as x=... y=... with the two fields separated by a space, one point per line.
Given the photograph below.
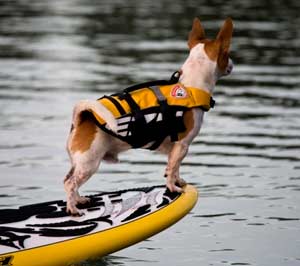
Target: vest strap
x=116 y=103
x=167 y=116
x=212 y=102
x=173 y=80
x=155 y=112
x=128 y=98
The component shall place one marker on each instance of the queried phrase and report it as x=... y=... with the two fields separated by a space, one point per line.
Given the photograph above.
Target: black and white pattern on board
x=44 y=223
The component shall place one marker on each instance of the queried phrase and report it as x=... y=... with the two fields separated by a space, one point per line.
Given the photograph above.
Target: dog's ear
x=196 y=34
x=225 y=34
x=224 y=39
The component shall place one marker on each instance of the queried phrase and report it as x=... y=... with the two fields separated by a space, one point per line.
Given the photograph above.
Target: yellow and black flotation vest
x=147 y=113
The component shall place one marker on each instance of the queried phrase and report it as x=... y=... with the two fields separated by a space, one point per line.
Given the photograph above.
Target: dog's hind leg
x=71 y=189
x=76 y=177
x=86 y=150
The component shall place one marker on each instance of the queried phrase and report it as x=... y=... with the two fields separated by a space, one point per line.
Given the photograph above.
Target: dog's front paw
x=180 y=182
x=173 y=185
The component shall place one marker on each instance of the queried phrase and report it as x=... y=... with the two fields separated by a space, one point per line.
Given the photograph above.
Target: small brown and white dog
x=87 y=144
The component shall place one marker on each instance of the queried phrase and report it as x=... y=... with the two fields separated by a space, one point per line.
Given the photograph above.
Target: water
x=245 y=163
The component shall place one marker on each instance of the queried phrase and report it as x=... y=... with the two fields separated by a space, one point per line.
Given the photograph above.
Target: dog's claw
x=79 y=214
x=175 y=184
x=174 y=187
x=74 y=212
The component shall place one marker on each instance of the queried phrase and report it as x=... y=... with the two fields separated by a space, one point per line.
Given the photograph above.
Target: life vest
x=148 y=113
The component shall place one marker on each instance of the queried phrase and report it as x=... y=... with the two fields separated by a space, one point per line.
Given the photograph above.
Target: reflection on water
x=245 y=162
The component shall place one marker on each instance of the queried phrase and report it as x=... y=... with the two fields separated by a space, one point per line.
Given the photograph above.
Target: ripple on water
x=245 y=161
x=214 y=215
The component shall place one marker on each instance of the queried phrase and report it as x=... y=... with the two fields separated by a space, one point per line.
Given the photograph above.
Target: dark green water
x=245 y=162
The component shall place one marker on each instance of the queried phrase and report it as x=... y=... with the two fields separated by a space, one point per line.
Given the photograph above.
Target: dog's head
x=210 y=57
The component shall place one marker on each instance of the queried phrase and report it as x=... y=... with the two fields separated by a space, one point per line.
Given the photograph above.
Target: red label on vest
x=179 y=91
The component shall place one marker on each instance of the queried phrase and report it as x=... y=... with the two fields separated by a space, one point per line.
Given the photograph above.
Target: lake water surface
x=245 y=162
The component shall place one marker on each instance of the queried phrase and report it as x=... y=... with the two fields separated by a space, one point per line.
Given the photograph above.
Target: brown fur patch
x=197 y=34
x=188 y=120
x=83 y=135
x=212 y=49
x=225 y=34
x=223 y=61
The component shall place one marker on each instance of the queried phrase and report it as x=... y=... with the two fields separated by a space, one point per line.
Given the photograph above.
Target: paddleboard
x=44 y=234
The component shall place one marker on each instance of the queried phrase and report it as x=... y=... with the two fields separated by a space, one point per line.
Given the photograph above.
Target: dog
x=88 y=143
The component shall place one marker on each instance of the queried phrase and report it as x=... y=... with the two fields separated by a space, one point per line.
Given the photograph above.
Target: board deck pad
x=111 y=221
x=41 y=224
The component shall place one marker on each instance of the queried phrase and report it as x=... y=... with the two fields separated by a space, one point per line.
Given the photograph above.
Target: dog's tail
x=96 y=108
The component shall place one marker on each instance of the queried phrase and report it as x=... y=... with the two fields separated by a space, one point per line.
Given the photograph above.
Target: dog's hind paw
x=83 y=200
x=76 y=213
x=73 y=211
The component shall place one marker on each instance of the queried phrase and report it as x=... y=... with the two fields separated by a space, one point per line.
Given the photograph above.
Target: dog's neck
x=199 y=71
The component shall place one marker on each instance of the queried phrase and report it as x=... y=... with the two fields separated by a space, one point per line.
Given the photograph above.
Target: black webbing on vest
x=212 y=102
x=125 y=94
x=173 y=80
x=139 y=125
x=116 y=103
x=140 y=122
x=143 y=133
x=165 y=110
x=131 y=102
